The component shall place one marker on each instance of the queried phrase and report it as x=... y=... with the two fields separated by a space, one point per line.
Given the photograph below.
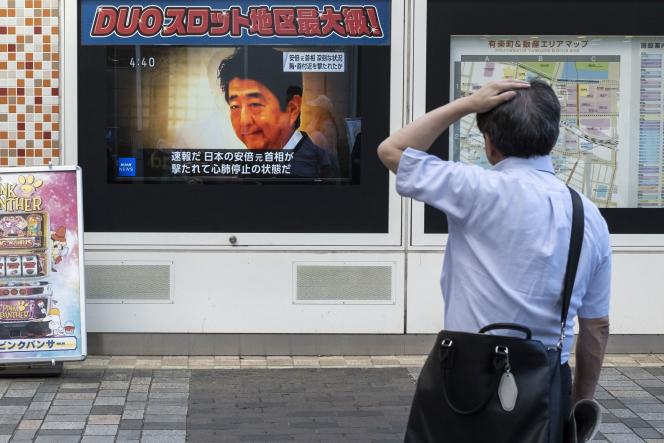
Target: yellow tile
x=29 y=424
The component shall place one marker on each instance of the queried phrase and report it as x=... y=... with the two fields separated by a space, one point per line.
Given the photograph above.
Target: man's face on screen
x=257 y=117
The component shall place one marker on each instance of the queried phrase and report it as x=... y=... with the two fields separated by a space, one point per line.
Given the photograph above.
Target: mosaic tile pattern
x=29 y=83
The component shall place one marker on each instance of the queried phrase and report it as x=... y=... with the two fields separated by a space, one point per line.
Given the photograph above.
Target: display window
x=608 y=78
x=250 y=118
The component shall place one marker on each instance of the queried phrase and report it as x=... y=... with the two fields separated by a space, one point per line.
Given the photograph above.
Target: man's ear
x=492 y=153
x=487 y=145
x=489 y=149
x=294 y=108
x=487 y=142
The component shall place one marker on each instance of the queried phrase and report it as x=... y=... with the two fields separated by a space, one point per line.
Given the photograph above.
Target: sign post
x=42 y=296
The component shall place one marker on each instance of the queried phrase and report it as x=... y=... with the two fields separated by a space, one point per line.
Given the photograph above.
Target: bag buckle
x=502 y=350
x=502 y=358
x=446 y=352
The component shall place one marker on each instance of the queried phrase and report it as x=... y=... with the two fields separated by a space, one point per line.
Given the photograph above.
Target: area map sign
x=41 y=265
x=605 y=85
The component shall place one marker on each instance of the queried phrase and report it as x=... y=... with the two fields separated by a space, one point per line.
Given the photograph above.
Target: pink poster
x=41 y=288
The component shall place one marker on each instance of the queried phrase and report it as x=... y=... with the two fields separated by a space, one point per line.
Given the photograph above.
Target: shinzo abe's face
x=256 y=115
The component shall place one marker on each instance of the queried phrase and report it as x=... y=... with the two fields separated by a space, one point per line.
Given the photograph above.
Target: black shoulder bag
x=477 y=388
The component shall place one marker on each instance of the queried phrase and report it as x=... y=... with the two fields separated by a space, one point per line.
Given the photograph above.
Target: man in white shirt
x=509 y=226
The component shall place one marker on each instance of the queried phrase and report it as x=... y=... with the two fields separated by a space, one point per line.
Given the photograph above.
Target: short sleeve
x=448 y=186
x=595 y=303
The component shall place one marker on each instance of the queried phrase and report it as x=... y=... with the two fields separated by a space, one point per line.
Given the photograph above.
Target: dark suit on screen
x=310 y=160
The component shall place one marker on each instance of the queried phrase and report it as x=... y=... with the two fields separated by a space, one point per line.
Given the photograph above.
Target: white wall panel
x=245 y=292
x=637 y=304
x=425 y=302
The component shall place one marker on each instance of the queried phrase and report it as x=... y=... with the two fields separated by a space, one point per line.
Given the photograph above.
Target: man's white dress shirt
x=293 y=141
x=509 y=231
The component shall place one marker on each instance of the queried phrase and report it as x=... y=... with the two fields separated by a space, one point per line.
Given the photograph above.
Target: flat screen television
x=226 y=114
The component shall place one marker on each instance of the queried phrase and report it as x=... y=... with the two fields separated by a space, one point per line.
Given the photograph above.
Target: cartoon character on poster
x=28 y=185
x=41 y=309
x=12 y=225
x=34 y=225
x=32 y=309
x=59 y=247
x=54 y=322
x=69 y=328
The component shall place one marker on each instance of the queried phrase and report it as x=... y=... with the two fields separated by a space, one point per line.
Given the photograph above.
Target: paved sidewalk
x=326 y=399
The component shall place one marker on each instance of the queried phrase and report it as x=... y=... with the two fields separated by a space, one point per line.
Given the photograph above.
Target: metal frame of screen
x=624 y=18
x=313 y=208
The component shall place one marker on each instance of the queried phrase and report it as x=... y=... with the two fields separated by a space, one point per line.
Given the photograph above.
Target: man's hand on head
x=493 y=94
x=421 y=133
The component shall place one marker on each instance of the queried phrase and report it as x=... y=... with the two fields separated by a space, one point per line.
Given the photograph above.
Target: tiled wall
x=29 y=83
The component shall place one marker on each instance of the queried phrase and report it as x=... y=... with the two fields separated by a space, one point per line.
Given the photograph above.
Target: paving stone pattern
x=96 y=405
x=330 y=405
x=301 y=404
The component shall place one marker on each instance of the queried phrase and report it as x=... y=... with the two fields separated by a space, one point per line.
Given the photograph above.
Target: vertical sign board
x=42 y=301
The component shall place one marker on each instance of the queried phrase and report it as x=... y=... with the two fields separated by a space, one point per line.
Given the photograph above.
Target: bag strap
x=446 y=352
x=575 y=243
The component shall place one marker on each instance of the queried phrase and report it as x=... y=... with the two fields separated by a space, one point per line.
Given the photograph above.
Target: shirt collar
x=293 y=141
x=541 y=163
